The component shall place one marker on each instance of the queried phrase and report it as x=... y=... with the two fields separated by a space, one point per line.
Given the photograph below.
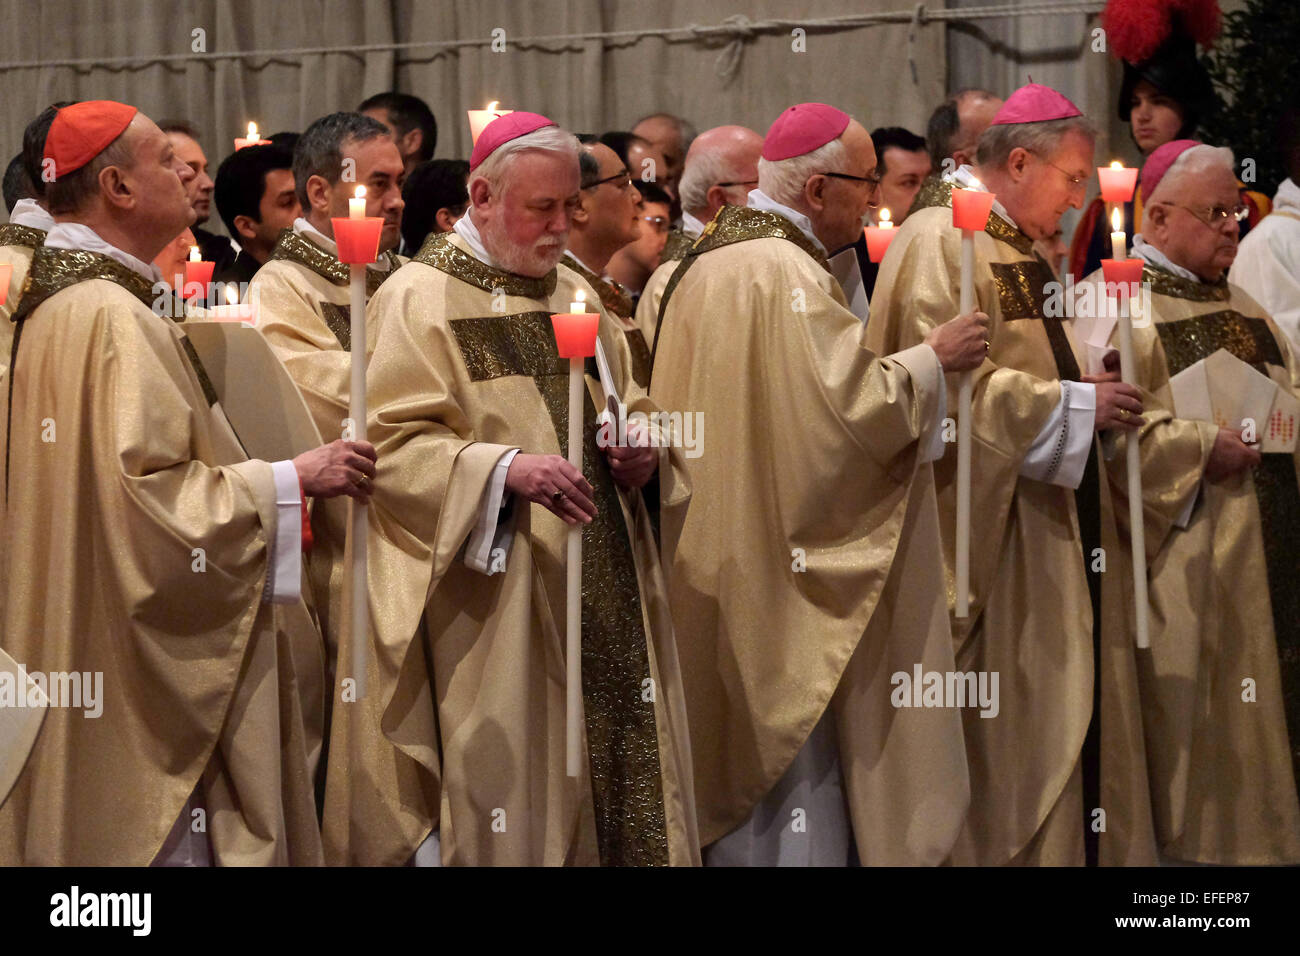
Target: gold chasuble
x=304 y=310
x=677 y=245
x=17 y=243
x=1221 y=683
x=618 y=305
x=1051 y=602
x=136 y=545
x=462 y=728
x=805 y=575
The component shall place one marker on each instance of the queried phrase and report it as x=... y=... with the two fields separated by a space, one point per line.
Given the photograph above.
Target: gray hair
x=1041 y=139
x=704 y=170
x=1192 y=161
x=548 y=139
x=783 y=180
x=319 y=151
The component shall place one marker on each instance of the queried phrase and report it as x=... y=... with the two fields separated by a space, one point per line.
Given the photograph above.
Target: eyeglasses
x=1074 y=181
x=657 y=223
x=873 y=180
x=622 y=174
x=1218 y=215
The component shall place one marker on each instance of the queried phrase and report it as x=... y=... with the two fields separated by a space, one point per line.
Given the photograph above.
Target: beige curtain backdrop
x=884 y=74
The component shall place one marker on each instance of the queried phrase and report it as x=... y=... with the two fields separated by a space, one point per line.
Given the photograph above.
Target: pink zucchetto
x=803 y=128
x=1158 y=163
x=502 y=130
x=1035 y=103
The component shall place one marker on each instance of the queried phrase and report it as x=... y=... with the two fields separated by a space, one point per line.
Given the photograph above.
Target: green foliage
x=1255 y=67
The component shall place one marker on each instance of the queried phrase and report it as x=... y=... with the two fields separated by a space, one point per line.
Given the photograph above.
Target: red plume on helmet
x=1135 y=29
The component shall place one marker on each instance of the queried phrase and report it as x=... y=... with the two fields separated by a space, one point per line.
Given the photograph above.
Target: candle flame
x=194 y=254
x=252 y=131
x=580 y=296
x=1116 y=164
x=1116 y=220
x=232 y=295
x=884 y=214
x=359 y=192
x=491 y=107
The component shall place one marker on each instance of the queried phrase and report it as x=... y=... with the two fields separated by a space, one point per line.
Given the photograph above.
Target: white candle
x=1118 y=238
x=194 y=254
x=573 y=573
x=961 y=569
x=253 y=135
x=360 y=514
x=357 y=204
x=884 y=221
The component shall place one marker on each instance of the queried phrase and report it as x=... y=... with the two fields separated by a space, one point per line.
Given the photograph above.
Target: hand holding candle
x=575 y=339
x=880 y=236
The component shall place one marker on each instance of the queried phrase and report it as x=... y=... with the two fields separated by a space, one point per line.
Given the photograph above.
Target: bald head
x=721 y=168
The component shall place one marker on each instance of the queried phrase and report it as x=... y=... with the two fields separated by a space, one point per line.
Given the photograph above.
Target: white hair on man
x=1190 y=164
x=783 y=180
x=1042 y=139
x=549 y=139
x=704 y=170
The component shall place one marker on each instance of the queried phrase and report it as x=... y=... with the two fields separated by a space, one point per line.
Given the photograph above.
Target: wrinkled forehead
x=1205 y=185
x=540 y=174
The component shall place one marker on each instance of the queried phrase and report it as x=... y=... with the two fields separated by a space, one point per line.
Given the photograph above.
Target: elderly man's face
x=839 y=212
x=159 y=179
x=1187 y=225
x=201 y=185
x=525 y=226
x=1046 y=186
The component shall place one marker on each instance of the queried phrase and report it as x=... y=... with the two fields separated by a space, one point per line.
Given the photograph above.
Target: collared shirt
x=466 y=229
x=30 y=213
x=691 y=226
x=76 y=235
x=760 y=200
x=1149 y=253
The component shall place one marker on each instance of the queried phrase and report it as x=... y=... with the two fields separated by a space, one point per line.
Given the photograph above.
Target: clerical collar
x=76 y=235
x=1150 y=254
x=691 y=225
x=29 y=213
x=309 y=232
x=466 y=229
x=574 y=256
x=761 y=201
x=966 y=179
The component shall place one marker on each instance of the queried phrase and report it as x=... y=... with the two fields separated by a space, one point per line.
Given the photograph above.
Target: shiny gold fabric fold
x=17 y=243
x=135 y=545
x=1221 y=682
x=804 y=571
x=462 y=729
x=1032 y=609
